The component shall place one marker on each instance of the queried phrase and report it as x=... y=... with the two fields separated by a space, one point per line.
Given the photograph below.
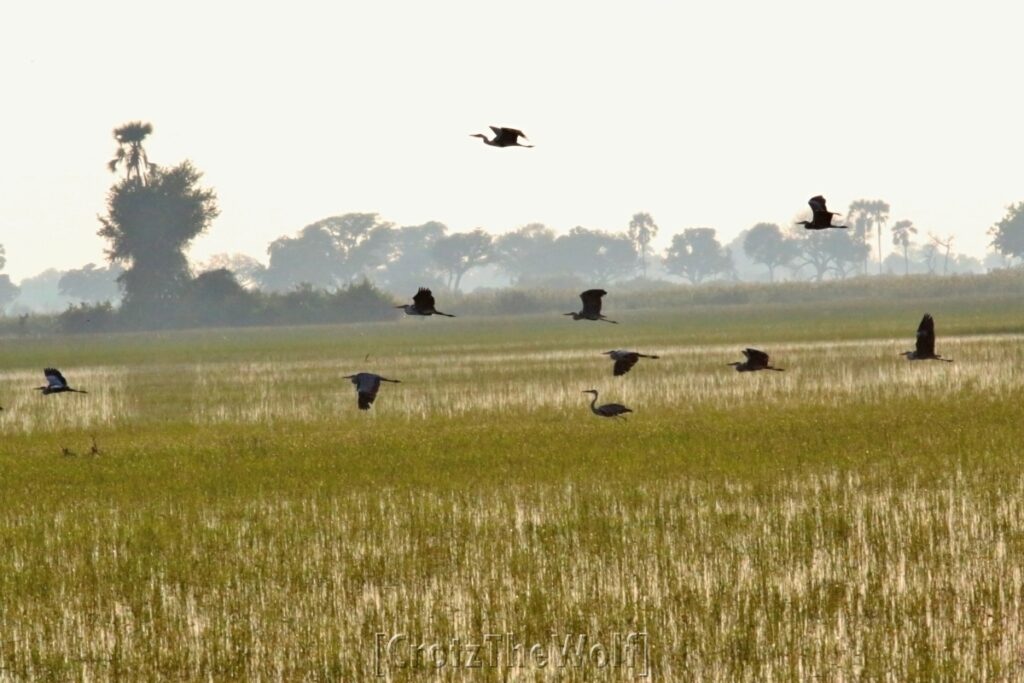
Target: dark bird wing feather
x=625 y=364
x=424 y=299
x=926 y=336
x=592 y=300
x=54 y=378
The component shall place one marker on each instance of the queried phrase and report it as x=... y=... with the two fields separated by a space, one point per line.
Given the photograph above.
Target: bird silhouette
x=756 y=360
x=625 y=360
x=925 y=346
x=608 y=409
x=503 y=137
x=822 y=217
x=56 y=384
x=367 y=385
x=423 y=304
x=591 y=307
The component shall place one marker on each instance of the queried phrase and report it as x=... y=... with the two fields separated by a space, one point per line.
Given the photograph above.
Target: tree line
x=154 y=212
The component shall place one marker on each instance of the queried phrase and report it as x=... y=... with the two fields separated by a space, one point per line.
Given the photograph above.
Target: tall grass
x=856 y=517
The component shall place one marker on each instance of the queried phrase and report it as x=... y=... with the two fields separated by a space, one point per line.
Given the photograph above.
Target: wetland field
x=857 y=517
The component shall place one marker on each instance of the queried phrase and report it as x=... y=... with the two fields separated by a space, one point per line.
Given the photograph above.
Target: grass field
x=857 y=517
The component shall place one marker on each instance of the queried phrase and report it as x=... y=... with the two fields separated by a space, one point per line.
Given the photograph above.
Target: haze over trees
x=697 y=255
x=1008 y=234
x=358 y=261
x=8 y=290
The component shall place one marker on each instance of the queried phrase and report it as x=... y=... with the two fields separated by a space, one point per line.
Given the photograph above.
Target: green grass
x=856 y=517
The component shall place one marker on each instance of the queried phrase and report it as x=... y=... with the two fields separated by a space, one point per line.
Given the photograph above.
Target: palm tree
x=130 y=151
x=901 y=232
x=867 y=215
x=641 y=231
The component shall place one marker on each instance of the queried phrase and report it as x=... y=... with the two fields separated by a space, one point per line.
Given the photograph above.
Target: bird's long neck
x=593 y=403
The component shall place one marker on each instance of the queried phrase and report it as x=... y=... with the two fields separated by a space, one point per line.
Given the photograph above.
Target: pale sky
x=702 y=114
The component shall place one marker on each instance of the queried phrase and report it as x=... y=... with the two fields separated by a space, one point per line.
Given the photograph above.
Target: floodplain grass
x=856 y=517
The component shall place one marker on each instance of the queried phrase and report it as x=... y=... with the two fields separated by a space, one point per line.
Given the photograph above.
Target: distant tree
x=901 y=232
x=947 y=246
x=829 y=251
x=1008 y=234
x=527 y=253
x=149 y=225
x=869 y=215
x=765 y=244
x=595 y=255
x=411 y=263
x=130 y=152
x=91 y=284
x=215 y=297
x=697 y=255
x=309 y=258
x=929 y=255
x=3 y=257
x=642 y=230
x=458 y=253
x=248 y=272
x=39 y=293
x=8 y=292
x=330 y=253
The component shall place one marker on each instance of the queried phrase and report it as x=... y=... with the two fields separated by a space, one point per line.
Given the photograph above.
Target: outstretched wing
x=926 y=337
x=625 y=363
x=54 y=379
x=757 y=358
x=817 y=204
x=592 y=301
x=367 y=385
x=506 y=136
x=424 y=299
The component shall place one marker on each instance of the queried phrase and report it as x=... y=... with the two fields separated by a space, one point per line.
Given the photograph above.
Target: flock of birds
x=368 y=384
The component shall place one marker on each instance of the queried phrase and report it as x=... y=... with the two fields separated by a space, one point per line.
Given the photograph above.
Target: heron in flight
x=624 y=360
x=423 y=304
x=608 y=409
x=367 y=386
x=925 y=347
x=56 y=384
x=822 y=218
x=591 y=307
x=756 y=360
x=503 y=137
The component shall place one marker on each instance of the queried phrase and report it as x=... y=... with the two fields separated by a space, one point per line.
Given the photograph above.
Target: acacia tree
x=901 y=232
x=829 y=251
x=697 y=255
x=460 y=252
x=642 y=230
x=527 y=252
x=595 y=255
x=1008 y=234
x=765 y=244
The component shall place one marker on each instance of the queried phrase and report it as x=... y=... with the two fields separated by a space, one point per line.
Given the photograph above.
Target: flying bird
x=56 y=384
x=608 y=409
x=925 y=347
x=625 y=360
x=591 y=307
x=756 y=360
x=503 y=137
x=367 y=386
x=822 y=218
x=423 y=304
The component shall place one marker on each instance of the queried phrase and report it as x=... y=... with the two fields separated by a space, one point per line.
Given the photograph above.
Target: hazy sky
x=703 y=114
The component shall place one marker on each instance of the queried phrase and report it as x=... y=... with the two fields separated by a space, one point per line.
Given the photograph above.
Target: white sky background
x=702 y=114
